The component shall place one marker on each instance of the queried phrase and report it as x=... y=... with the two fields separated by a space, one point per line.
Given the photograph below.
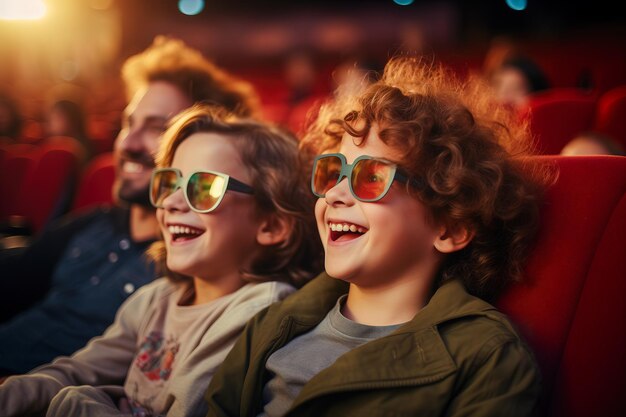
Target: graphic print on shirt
x=156 y=356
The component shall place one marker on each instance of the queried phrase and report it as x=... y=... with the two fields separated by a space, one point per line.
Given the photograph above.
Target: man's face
x=144 y=120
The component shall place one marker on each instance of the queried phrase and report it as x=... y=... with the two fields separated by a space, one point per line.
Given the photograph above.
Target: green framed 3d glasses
x=369 y=178
x=203 y=190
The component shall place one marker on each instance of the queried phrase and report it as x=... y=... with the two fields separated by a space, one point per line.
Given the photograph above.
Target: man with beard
x=84 y=267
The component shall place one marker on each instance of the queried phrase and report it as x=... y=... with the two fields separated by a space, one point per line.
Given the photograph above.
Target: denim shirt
x=100 y=267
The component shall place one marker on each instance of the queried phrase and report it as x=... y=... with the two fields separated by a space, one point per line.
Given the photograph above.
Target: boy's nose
x=340 y=194
x=176 y=201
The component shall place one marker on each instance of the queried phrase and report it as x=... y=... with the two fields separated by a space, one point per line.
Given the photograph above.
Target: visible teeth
x=345 y=227
x=182 y=230
x=132 y=167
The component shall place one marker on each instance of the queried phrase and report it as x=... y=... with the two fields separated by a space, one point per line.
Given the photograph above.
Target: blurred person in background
x=516 y=79
x=79 y=271
x=10 y=119
x=67 y=118
x=300 y=72
x=593 y=143
x=499 y=50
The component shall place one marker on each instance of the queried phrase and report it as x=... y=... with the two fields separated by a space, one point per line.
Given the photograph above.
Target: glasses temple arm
x=235 y=185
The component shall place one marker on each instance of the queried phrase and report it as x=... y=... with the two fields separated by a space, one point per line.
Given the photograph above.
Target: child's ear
x=274 y=229
x=452 y=239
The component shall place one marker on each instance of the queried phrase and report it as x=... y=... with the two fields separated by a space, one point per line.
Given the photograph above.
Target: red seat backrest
x=572 y=306
x=18 y=164
x=558 y=115
x=610 y=116
x=592 y=375
x=96 y=182
x=47 y=191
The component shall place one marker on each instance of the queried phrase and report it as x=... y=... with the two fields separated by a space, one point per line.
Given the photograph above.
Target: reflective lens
x=370 y=178
x=326 y=173
x=203 y=190
x=164 y=183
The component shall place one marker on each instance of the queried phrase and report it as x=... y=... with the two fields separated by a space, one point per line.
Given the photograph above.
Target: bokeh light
x=190 y=7
x=22 y=9
x=403 y=2
x=517 y=4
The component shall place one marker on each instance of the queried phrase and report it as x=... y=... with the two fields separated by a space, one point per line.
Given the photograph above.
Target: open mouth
x=135 y=163
x=182 y=233
x=340 y=232
x=135 y=167
x=131 y=167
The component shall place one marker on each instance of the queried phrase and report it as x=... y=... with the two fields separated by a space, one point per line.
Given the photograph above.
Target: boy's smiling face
x=211 y=246
x=389 y=241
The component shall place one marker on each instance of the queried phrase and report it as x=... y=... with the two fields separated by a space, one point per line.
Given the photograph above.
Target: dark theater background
x=80 y=44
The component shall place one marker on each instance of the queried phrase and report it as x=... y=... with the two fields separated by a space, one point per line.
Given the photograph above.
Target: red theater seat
x=558 y=115
x=96 y=183
x=611 y=114
x=18 y=163
x=49 y=187
x=572 y=307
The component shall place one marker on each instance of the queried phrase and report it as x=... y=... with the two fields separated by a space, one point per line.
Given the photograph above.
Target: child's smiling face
x=210 y=245
x=388 y=241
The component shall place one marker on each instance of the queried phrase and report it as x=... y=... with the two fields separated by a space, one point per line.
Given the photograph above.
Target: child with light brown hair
x=427 y=205
x=238 y=234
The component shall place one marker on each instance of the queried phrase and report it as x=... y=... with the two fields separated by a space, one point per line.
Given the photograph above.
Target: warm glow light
x=22 y=9
x=101 y=4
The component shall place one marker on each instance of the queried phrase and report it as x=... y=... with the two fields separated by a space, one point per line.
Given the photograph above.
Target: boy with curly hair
x=427 y=205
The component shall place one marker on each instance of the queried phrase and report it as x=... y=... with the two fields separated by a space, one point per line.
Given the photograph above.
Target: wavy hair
x=171 y=60
x=271 y=156
x=471 y=157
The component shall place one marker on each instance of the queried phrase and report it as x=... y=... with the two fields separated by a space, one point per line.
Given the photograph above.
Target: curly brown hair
x=271 y=156
x=171 y=60
x=471 y=157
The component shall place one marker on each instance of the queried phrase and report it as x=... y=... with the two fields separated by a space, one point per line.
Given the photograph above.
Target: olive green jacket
x=459 y=356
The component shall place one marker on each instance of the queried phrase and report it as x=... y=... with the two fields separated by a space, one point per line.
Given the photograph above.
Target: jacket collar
x=450 y=301
x=414 y=354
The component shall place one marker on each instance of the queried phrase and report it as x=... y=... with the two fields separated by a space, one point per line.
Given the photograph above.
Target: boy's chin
x=340 y=273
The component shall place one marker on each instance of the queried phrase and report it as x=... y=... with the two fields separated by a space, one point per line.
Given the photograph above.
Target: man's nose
x=130 y=140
